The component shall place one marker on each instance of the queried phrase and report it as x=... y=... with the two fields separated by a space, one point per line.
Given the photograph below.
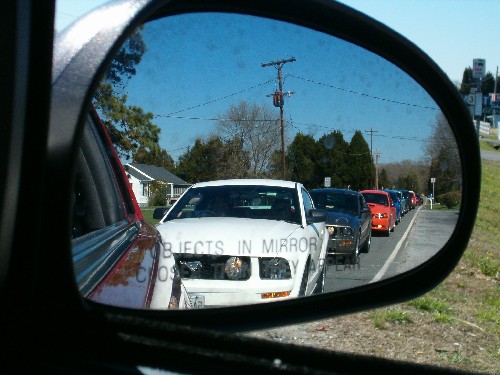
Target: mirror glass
x=213 y=96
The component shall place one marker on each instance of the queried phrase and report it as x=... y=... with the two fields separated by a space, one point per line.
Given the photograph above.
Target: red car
x=383 y=210
x=413 y=199
x=118 y=258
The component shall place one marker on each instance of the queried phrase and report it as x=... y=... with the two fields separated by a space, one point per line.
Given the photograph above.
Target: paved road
x=419 y=235
x=490 y=155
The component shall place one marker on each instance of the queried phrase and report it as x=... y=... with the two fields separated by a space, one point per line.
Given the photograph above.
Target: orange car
x=383 y=210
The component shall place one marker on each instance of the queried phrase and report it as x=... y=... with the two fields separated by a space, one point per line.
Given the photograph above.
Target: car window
x=97 y=203
x=376 y=198
x=336 y=201
x=362 y=202
x=243 y=201
x=306 y=198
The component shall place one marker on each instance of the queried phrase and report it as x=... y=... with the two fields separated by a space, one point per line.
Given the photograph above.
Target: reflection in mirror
x=191 y=99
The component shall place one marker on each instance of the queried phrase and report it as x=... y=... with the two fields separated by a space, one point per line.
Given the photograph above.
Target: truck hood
x=340 y=217
x=232 y=236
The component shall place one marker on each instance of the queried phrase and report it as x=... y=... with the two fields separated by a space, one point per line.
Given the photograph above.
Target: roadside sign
x=478 y=68
x=433 y=181
x=328 y=181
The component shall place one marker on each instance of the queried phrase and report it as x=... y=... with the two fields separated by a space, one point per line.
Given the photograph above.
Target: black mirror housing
x=159 y=212
x=316 y=215
x=70 y=92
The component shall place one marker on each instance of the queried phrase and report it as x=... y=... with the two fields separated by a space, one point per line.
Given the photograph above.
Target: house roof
x=146 y=172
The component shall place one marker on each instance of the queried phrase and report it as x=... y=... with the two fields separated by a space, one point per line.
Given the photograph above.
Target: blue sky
x=358 y=97
x=461 y=29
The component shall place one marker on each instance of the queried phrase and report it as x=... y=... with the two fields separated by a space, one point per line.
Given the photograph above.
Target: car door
x=117 y=256
x=365 y=216
x=318 y=240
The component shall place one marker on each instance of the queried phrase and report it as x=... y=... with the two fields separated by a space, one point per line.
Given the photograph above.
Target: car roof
x=392 y=191
x=332 y=190
x=249 y=181
x=375 y=191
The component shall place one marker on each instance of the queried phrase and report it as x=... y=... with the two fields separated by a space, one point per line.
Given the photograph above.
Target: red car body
x=382 y=209
x=413 y=199
x=130 y=270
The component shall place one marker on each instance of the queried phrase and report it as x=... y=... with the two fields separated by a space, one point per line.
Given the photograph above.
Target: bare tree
x=444 y=158
x=258 y=128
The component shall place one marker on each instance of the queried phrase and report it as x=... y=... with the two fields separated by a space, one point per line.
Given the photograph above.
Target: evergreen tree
x=409 y=182
x=332 y=158
x=155 y=156
x=302 y=155
x=468 y=82
x=275 y=166
x=131 y=129
x=212 y=160
x=383 y=180
x=361 y=170
x=198 y=163
x=488 y=84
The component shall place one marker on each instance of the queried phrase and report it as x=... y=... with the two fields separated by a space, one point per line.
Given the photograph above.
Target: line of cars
x=353 y=216
x=227 y=242
x=245 y=241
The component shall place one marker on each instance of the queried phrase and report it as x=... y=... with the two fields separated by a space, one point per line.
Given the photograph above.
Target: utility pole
x=278 y=101
x=495 y=87
x=493 y=115
x=371 y=131
x=377 y=155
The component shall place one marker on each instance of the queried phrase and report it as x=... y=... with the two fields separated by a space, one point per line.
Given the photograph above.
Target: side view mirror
x=316 y=215
x=159 y=212
x=177 y=79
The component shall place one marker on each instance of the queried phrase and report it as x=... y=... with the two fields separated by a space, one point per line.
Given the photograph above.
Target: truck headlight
x=274 y=268
x=236 y=269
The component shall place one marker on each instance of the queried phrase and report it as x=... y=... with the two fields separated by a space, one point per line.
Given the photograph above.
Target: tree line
x=247 y=144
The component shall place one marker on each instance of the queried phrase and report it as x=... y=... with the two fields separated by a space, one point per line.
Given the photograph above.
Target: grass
x=439 y=308
x=488 y=146
x=381 y=317
x=483 y=251
x=147 y=212
x=439 y=206
x=470 y=295
x=469 y=298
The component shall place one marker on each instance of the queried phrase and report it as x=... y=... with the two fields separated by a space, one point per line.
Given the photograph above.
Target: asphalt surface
x=491 y=155
x=415 y=239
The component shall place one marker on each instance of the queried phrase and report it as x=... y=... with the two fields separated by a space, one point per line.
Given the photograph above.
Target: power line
x=363 y=94
x=222 y=98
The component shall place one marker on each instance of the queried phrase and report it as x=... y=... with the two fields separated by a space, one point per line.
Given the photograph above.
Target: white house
x=140 y=177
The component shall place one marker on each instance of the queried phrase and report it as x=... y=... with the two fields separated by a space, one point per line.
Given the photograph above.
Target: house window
x=145 y=190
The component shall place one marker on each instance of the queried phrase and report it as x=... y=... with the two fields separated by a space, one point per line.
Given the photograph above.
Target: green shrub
x=450 y=199
x=157 y=200
x=158 y=195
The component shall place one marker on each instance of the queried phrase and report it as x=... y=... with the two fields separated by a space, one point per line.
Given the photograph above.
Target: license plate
x=197 y=301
